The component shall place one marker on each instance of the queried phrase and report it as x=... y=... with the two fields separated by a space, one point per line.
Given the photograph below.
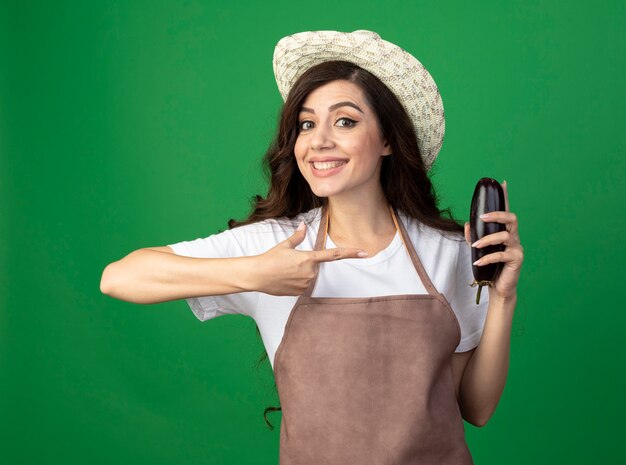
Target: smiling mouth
x=327 y=165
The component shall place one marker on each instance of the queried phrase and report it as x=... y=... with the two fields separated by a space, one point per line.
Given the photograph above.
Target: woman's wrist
x=248 y=273
x=502 y=299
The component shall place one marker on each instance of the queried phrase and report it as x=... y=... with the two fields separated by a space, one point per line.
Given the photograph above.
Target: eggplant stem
x=480 y=285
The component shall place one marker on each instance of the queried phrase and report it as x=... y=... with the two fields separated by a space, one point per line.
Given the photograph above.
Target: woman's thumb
x=298 y=236
x=467 y=233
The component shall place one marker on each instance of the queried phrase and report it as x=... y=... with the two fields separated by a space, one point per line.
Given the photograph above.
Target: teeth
x=327 y=164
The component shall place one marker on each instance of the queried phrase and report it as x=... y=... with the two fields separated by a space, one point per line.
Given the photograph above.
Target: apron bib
x=369 y=380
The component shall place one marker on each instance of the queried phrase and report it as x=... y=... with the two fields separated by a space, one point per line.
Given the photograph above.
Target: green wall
x=128 y=124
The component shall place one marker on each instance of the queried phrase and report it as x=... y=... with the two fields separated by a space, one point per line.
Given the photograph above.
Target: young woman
x=358 y=284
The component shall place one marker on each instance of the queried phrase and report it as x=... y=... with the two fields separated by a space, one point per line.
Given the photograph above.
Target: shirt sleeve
x=471 y=317
x=220 y=245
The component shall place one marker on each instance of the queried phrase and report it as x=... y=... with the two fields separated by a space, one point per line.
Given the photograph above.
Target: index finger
x=337 y=253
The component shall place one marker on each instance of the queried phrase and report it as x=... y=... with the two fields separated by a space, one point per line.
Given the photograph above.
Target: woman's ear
x=386 y=149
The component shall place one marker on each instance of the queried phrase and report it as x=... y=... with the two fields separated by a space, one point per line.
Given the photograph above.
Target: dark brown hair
x=403 y=177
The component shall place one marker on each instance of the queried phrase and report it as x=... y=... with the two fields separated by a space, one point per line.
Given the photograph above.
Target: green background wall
x=138 y=124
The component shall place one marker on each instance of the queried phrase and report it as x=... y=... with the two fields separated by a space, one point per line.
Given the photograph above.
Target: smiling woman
x=358 y=283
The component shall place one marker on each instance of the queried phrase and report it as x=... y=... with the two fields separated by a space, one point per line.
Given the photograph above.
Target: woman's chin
x=324 y=192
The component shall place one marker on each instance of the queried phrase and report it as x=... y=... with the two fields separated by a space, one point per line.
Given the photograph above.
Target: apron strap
x=320 y=244
x=417 y=263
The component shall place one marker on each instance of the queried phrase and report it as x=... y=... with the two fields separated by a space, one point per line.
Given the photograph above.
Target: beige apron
x=368 y=380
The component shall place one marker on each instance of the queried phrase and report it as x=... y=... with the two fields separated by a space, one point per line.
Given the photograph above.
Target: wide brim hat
x=403 y=74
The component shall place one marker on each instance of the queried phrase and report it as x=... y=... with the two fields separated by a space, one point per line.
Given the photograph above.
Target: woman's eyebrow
x=334 y=107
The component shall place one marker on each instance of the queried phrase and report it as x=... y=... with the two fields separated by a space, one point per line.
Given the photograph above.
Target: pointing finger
x=337 y=253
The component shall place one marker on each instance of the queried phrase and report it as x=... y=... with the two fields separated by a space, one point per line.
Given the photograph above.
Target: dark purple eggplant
x=488 y=197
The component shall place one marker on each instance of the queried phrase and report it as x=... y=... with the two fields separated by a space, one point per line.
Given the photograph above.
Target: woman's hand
x=505 y=285
x=282 y=270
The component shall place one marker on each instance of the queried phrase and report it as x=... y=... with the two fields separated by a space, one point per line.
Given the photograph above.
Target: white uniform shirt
x=390 y=272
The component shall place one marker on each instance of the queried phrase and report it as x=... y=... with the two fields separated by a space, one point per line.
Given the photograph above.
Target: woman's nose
x=322 y=138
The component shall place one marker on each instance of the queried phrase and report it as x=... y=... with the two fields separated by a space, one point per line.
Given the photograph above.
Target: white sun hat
x=403 y=74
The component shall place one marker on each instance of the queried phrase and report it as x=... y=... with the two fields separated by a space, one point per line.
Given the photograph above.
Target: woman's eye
x=304 y=125
x=348 y=123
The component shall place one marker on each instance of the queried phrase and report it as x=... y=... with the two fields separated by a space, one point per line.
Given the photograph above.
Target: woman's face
x=339 y=147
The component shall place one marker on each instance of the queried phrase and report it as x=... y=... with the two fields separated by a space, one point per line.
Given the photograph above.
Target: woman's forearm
x=486 y=372
x=149 y=277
